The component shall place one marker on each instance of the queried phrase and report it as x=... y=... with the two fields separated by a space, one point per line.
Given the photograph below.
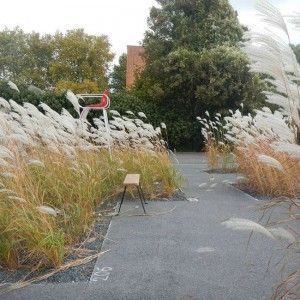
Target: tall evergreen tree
x=193 y=63
x=118 y=75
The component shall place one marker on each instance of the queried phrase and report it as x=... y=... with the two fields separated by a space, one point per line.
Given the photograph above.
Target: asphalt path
x=180 y=250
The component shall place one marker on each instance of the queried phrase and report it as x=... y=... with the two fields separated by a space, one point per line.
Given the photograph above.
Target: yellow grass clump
x=266 y=176
x=48 y=203
x=220 y=156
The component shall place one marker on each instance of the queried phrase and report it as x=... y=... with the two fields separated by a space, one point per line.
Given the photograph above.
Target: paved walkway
x=180 y=251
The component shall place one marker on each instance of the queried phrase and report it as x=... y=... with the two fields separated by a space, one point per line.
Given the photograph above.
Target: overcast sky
x=123 y=21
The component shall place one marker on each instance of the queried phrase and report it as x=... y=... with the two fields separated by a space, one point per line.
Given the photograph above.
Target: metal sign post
x=107 y=132
x=102 y=105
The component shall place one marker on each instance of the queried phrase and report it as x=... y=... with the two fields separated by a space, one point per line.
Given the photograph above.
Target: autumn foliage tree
x=73 y=60
x=80 y=58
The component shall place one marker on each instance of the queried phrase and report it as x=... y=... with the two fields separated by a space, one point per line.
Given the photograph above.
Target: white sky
x=124 y=21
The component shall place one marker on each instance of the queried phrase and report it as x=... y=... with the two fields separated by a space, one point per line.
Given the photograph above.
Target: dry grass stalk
x=55 y=170
x=266 y=179
x=289 y=288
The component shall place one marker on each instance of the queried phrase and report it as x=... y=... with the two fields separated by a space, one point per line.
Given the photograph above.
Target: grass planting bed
x=59 y=185
x=89 y=244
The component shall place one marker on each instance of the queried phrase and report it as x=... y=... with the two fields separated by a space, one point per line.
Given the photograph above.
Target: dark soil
x=221 y=171
x=246 y=189
x=92 y=242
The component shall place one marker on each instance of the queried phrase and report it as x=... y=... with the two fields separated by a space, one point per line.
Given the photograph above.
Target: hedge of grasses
x=55 y=171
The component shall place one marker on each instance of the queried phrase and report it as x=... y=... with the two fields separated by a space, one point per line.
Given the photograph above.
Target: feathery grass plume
x=270 y=161
x=36 y=162
x=13 y=86
x=265 y=133
x=6 y=153
x=263 y=178
x=4 y=104
x=7 y=175
x=292 y=150
x=272 y=55
x=35 y=90
x=264 y=125
x=282 y=234
x=246 y=225
x=142 y=115
x=6 y=191
x=74 y=100
x=129 y=112
x=114 y=112
x=18 y=199
x=3 y=163
x=47 y=210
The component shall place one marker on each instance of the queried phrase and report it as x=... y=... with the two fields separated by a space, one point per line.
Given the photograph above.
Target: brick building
x=135 y=63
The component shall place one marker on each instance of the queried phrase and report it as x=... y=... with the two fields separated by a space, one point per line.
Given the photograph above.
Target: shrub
x=183 y=131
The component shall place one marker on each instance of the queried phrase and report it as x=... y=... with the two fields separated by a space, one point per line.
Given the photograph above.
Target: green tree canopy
x=193 y=64
x=80 y=57
x=39 y=52
x=190 y=24
x=118 y=75
x=24 y=57
x=55 y=61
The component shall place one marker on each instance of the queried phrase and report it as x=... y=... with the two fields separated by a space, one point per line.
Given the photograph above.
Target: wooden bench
x=133 y=180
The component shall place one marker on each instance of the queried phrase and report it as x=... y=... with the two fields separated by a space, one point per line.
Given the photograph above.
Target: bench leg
x=141 y=198
x=123 y=195
x=142 y=192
